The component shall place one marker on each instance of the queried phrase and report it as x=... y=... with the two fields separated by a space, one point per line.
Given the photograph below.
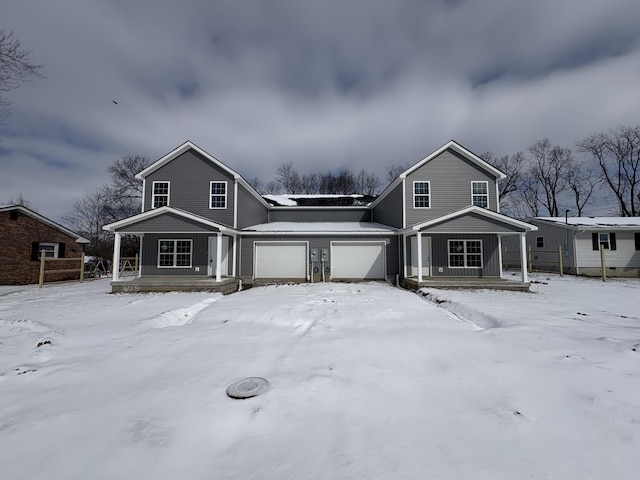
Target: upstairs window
x=465 y=253
x=421 y=195
x=218 y=195
x=160 y=197
x=480 y=194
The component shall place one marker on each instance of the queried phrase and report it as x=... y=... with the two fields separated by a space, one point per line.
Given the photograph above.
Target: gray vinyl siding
x=199 y=254
x=319 y=241
x=250 y=210
x=440 y=256
x=450 y=176
x=547 y=256
x=320 y=214
x=168 y=222
x=473 y=222
x=190 y=175
x=389 y=210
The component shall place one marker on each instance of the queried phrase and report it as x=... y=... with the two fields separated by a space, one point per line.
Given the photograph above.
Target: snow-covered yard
x=367 y=382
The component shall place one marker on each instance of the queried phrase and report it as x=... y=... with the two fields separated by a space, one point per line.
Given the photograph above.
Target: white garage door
x=281 y=260
x=358 y=260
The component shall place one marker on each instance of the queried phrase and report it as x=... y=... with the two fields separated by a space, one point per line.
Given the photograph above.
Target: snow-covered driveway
x=367 y=381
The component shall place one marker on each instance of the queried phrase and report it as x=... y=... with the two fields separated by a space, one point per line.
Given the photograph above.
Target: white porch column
x=523 y=257
x=235 y=252
x=419 y=257
x=115 y=267
x=219 y=257
x=404 y=255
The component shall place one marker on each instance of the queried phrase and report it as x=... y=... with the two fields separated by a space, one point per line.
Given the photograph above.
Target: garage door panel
x=281 y=260
x=358 y=260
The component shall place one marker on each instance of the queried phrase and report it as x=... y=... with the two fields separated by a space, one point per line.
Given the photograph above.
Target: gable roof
x=189 y=145
x=483 y=212
x=452 y=145
x=591 y=223
x=51 y=223
x=115 y=226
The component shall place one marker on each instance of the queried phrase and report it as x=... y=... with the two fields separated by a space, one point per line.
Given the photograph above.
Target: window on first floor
x=51 y=250
x=539 y=242
x=174 y=253
x=480 y=194
x=606 y=239
x=421 y=195
x=218 y=197
x=465 y=253
x=160 y=194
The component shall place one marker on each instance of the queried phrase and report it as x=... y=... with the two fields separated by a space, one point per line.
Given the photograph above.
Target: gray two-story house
x=202 y=226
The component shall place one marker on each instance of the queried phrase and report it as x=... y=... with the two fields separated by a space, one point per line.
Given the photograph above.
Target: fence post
x=82 y=268
x=42 y=258
x=602 y=263
x=530 y=260
x=505 y=263
x=135 y=272
x=560 y=259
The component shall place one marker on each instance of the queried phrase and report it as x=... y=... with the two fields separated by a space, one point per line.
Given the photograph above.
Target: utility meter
x=314 y=254
x=325 y=254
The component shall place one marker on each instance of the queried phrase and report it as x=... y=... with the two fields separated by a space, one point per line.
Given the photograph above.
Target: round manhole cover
x=248 y=387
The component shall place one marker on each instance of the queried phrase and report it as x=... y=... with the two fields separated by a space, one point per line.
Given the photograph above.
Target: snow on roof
x=595 y=222
x=358 y=227
x=295 y=199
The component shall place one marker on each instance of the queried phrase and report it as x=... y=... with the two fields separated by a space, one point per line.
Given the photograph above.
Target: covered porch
x=462 y=250
x=179 y=251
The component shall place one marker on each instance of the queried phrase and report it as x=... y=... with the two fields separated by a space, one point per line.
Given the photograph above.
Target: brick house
x=23 y=235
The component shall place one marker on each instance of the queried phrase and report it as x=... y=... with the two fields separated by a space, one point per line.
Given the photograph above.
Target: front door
x=426 y=256
x=224 y=262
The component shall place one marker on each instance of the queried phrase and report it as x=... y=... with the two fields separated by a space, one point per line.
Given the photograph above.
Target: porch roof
x=479 y=220
x=165 y=219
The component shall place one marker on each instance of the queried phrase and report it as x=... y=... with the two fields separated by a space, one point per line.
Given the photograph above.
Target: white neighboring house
x=580 y=239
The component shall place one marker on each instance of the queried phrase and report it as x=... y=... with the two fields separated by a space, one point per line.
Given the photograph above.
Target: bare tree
x=618 y=156
x=393 y=171
x=549 y=167
x=310 y=183
x=367 y=183
x=288 y=178
x=15 y=68
x=257 y=184
x=22 y=201
x=582 y=183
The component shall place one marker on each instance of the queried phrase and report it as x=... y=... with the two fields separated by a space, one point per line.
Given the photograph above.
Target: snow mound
x=180 y=316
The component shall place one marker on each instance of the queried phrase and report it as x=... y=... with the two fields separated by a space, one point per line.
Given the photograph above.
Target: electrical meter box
x=325 y=254
x=314 y=254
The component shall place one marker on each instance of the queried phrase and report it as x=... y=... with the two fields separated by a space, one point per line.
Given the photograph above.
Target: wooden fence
x=44 y=270
x=553 y=258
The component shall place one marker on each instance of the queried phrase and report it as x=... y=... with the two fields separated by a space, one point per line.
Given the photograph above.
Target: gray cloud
x=322 y=84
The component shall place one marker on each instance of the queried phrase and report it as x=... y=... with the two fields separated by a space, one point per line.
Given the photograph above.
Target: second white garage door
x=281 y=260
x=358 y=260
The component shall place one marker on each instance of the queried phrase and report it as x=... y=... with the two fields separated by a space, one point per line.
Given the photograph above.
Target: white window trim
x=154 y=195
x=48 y=244
x=606 y=244
x=175 y=252
x=428 y=195
x=211 y=195
x=480 y=194
x=464 y=253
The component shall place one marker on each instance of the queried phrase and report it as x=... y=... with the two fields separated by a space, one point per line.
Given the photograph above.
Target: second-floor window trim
x=421 y=194
x=160 y=194
x=480 y=194
x=218 y=194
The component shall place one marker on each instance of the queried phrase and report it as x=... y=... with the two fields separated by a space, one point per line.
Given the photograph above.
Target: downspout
x=575 y=250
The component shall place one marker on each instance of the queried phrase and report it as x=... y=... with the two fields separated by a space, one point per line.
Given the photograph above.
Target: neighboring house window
x=539 y=242
x=607 y=240
x=160 y=196
x=465 y=253
x=50 y=249
x=218 y=195
x=13 y=215
x=636 y=238
x=421 y=194
x=174 y=253
x=480 y=194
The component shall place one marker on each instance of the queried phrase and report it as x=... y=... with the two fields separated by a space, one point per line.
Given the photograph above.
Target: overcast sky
x=324 y=84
